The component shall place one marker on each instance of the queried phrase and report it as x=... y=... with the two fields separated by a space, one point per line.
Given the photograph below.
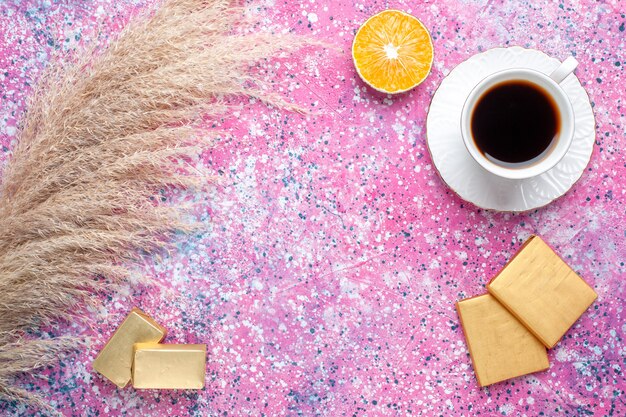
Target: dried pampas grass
x=103 y=133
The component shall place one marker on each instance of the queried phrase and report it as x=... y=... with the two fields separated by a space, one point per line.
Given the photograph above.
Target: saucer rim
x=577 y=176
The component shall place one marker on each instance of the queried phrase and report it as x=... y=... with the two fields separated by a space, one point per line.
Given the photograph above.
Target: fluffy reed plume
x=103 y=133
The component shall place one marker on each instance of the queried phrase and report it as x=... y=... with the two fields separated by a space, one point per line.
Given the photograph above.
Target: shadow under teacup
x=519 y=123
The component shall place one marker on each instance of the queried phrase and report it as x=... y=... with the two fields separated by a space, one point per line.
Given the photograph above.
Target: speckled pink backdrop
x=325 y=281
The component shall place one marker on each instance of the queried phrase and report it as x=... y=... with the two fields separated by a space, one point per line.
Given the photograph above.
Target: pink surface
x=325 y=281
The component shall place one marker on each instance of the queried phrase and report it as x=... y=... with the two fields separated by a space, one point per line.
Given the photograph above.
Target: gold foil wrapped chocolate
x=165 y=366
x=542 y=291
x=116 y=357
x=499 y=345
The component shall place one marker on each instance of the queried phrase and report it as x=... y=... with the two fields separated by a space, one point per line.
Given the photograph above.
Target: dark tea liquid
x=514 y=123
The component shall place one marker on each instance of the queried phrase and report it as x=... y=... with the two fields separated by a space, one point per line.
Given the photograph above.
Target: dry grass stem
x=104 y=132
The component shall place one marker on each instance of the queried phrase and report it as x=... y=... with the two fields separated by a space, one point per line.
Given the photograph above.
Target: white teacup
x=547 y=83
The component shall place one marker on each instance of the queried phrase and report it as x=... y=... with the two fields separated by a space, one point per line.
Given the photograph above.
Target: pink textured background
x=325 y=281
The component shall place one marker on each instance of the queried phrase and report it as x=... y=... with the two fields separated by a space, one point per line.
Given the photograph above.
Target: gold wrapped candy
x=134 y=351
x=499 y=345
x=542 y=291
x=161 y=366
x=116 y=357
x=531 y=303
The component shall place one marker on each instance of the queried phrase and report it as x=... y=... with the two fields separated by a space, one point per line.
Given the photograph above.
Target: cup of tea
x=519 y=123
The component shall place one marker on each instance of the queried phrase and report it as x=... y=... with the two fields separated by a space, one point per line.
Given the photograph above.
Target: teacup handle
x=566 y=68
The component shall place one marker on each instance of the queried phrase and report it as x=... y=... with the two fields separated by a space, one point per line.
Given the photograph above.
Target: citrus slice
x=392 y=51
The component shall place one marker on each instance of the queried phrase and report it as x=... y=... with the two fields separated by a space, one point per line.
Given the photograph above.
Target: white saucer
x=464 y=175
